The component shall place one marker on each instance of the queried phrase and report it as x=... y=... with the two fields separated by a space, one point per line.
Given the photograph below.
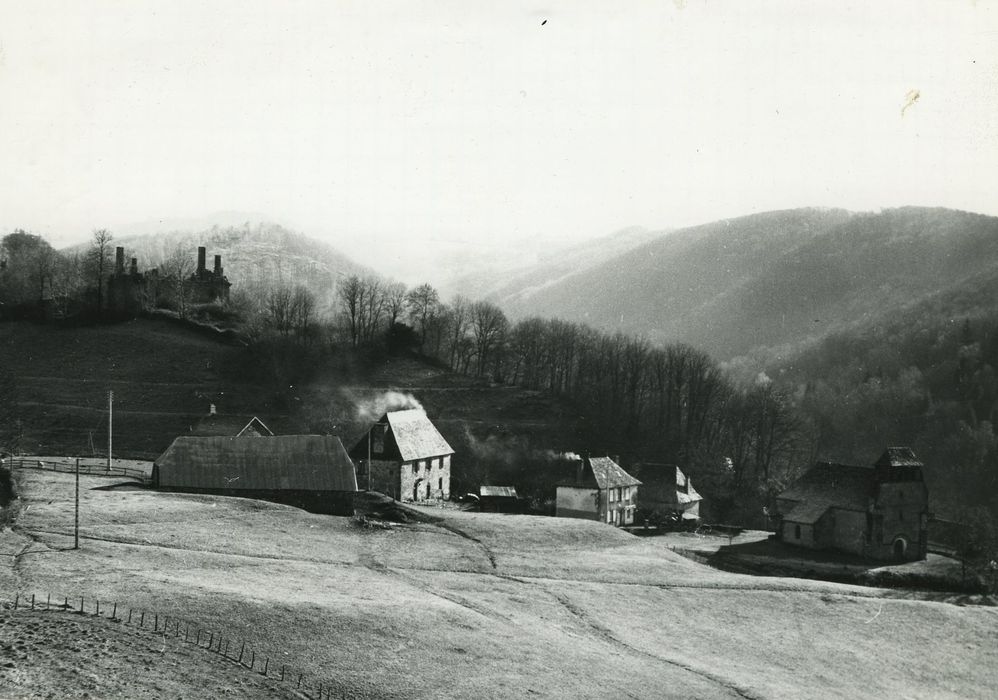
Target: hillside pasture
x=489 y=606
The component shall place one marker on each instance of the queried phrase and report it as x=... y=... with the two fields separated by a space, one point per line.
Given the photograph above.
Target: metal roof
x=285 y=462
x=497 y=491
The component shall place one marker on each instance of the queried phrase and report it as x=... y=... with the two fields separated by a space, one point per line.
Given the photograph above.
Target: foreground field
x=479 y=605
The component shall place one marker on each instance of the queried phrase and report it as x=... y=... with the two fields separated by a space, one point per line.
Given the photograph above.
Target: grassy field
x=478 y=605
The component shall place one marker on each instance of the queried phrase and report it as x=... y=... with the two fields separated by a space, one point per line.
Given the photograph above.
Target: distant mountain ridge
x=772 y=279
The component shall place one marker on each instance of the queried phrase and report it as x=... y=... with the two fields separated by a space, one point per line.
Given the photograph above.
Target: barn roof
x=497 y=491
x=286 y=462
x=827 y=485
x=416 y=436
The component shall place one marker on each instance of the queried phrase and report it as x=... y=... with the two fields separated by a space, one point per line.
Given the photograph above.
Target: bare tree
x=422 y=303
x=394 y=295
x=279 y=309
x=489 y=325
x=302 y=312
x=99 y=259
x=351 y=294
x=178 y=268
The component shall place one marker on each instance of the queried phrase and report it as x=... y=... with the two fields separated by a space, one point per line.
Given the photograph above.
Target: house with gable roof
x=404 y=456
x=667 y=493
x=880 y=511
x=600 y=490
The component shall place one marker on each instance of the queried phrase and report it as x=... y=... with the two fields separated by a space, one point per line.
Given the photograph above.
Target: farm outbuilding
x=404 y=456
x=880 y=511
x=498 y=499
x=312 y=472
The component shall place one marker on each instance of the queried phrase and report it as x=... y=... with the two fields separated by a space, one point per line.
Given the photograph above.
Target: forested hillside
x=780 y=278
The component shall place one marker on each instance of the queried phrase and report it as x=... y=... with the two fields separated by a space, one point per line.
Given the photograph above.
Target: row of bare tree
x=670 y=404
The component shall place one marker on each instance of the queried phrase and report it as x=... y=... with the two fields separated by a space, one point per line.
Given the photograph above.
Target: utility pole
x=110 y=406
x=76 y=527
x=369 y=458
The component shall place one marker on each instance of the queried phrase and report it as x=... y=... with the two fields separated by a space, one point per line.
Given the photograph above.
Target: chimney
x=119 y=261
x=615 y=459
x=201 y=256
x=211 y=409
x=218 y=265
x=135 y=267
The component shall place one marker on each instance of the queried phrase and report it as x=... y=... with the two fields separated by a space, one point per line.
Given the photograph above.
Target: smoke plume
x=372 y=409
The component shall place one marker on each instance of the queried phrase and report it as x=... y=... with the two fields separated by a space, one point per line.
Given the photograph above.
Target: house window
x=415 y=467
x=797 y=532
x=440 y=485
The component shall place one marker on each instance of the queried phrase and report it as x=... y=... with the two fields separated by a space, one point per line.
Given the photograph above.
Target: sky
x=405 y=126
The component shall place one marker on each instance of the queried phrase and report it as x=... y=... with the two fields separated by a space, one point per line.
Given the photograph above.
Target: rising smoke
x=371 y=409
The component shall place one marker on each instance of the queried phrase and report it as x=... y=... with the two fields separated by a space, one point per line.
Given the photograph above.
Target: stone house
x=600 y=490
x=312 y=472
x=880 y=512
x=404 y=456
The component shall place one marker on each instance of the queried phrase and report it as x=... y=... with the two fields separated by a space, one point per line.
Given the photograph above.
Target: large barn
x=880 y=511
x=404 y=456
x=312 y=472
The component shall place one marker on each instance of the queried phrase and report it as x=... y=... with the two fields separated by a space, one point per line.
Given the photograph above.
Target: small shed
x=312 y=472
x=498 y=499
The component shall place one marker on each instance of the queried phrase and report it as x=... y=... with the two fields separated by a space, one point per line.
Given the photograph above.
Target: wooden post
x=110 y=407
x=48 y=602
x=17 y=597
x=253 y=659
x=98 y=608
x=129 y=616
x=155 y=623
x=76 y=526
x=81 y=606
x=142 y=618
x=300 y=676
x=32 y=601
x=241 y=650
x=114 y=611
x=266 y=665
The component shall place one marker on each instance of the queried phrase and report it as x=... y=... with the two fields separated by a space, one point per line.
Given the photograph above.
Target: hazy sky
x=489 y=121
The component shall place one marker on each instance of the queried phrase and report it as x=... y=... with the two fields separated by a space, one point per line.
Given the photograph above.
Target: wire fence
x=68 y=465
x=239 y=651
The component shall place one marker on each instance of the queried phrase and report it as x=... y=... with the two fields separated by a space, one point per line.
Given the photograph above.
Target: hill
x=165 y=376
x=530 y=266
x=478 y=605
x=779 y=278
x=254 y=255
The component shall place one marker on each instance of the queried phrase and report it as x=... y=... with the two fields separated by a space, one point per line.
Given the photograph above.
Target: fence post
x=32 y=601
x=266 y=665
x=17 y=598
x=142 y=618
x=48 y=602
x=198 y=642
x=300 y=676
x=241 y=650
x=253 y=660
x=65 y=604
x=81 y=605
x=114 y=612
x=98 y=608
x=129 y=616
x=155 y=624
